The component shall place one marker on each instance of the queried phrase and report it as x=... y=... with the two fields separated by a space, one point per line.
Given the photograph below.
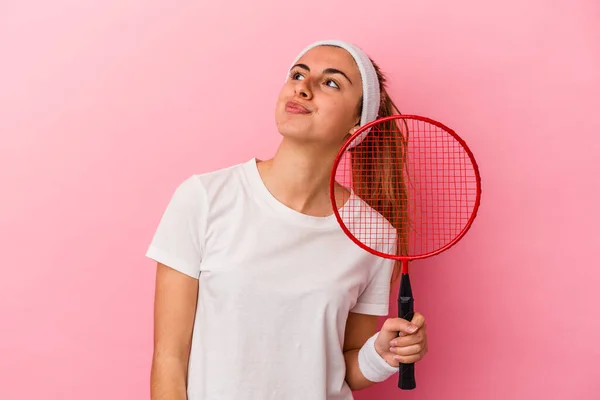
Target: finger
x=418 y=320
x=407 y=351
x=400 y=325
x=408 y=359
x=408 y=340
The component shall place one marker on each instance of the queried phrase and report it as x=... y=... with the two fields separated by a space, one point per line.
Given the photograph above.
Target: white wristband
x=371 y=364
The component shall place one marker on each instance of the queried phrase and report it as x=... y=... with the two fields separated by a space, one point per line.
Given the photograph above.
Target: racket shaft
x=406 y=378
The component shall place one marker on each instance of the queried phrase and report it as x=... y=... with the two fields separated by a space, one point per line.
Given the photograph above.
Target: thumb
x=394 y=327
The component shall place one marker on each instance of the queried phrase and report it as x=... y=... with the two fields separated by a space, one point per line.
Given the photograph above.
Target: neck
x=298 y=176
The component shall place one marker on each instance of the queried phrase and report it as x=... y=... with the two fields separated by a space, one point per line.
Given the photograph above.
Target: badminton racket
x=409 y=190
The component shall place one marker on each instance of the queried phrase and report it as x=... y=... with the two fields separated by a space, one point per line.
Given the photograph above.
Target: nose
x=303 y=89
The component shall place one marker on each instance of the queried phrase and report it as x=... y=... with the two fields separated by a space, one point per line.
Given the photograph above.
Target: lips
x=296 y=108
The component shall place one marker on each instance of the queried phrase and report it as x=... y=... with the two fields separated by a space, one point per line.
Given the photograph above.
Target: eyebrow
x=326 y=71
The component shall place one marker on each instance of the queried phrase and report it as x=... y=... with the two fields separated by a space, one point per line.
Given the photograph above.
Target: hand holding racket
x=411 y=346
x=409 y=190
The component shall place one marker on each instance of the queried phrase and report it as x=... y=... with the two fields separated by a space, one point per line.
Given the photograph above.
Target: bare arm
x=359 y=328
x=174 y=309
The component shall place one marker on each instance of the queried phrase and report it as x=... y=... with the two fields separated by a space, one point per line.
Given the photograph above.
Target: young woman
x=259 y=293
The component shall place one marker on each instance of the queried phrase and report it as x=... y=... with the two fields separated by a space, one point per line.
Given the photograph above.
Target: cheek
x=281 y=95
x=339 y=114
x=333 y=123
x=280 y=102
x=287 y=90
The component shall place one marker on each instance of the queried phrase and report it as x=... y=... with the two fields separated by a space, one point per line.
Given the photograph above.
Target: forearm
x=168 y=378
x=354 y=377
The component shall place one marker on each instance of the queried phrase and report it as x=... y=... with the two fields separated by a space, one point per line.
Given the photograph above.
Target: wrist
x=380 y=350
x=372 y=363
x=384 y=351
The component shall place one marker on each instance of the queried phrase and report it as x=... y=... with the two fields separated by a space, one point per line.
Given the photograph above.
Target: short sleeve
x=375 y=298
x=178 y=240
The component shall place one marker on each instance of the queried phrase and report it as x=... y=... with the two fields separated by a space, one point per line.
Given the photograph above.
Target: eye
x=334 y=83
x=296 y=75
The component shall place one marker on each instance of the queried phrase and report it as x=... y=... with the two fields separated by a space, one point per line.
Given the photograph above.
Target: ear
x=351 y=132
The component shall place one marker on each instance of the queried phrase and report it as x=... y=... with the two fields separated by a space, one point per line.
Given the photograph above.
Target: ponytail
x=382 y=185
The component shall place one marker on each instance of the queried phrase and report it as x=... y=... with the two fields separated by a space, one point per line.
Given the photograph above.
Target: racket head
x=440 y=181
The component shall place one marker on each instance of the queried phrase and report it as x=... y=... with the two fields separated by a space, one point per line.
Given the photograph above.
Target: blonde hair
x=382 y=184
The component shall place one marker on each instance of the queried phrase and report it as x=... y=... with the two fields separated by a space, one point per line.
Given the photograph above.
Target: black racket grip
x=406 y=377
x=406 y=380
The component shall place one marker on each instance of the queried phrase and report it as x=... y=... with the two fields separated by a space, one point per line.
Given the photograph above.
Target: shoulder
x=371 y=227
x=216 y=179
x=201 y=192
x=207 y=183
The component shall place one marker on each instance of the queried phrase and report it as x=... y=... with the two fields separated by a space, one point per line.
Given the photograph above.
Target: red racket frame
x=419 y=118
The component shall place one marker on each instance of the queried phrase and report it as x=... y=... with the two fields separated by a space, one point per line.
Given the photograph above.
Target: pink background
x=105 y=106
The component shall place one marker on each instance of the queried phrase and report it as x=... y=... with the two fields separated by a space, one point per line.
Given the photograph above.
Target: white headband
x=370 y=83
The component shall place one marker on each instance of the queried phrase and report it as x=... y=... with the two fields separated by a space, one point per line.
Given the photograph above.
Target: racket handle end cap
x=406 y=378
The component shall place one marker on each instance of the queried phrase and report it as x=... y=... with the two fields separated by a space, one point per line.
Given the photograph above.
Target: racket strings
x=414 y=179
x=382 y=184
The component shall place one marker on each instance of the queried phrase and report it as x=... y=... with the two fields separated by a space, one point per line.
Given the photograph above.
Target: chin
x=292 y=131
x=290 y=126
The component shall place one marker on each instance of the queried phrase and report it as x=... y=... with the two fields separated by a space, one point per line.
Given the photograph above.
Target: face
x=320 y=100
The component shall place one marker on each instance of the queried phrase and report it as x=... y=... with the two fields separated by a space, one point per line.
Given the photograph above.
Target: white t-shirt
x=275 y=289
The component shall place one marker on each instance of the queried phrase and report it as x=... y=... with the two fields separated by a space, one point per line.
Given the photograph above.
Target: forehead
x=322 y=57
